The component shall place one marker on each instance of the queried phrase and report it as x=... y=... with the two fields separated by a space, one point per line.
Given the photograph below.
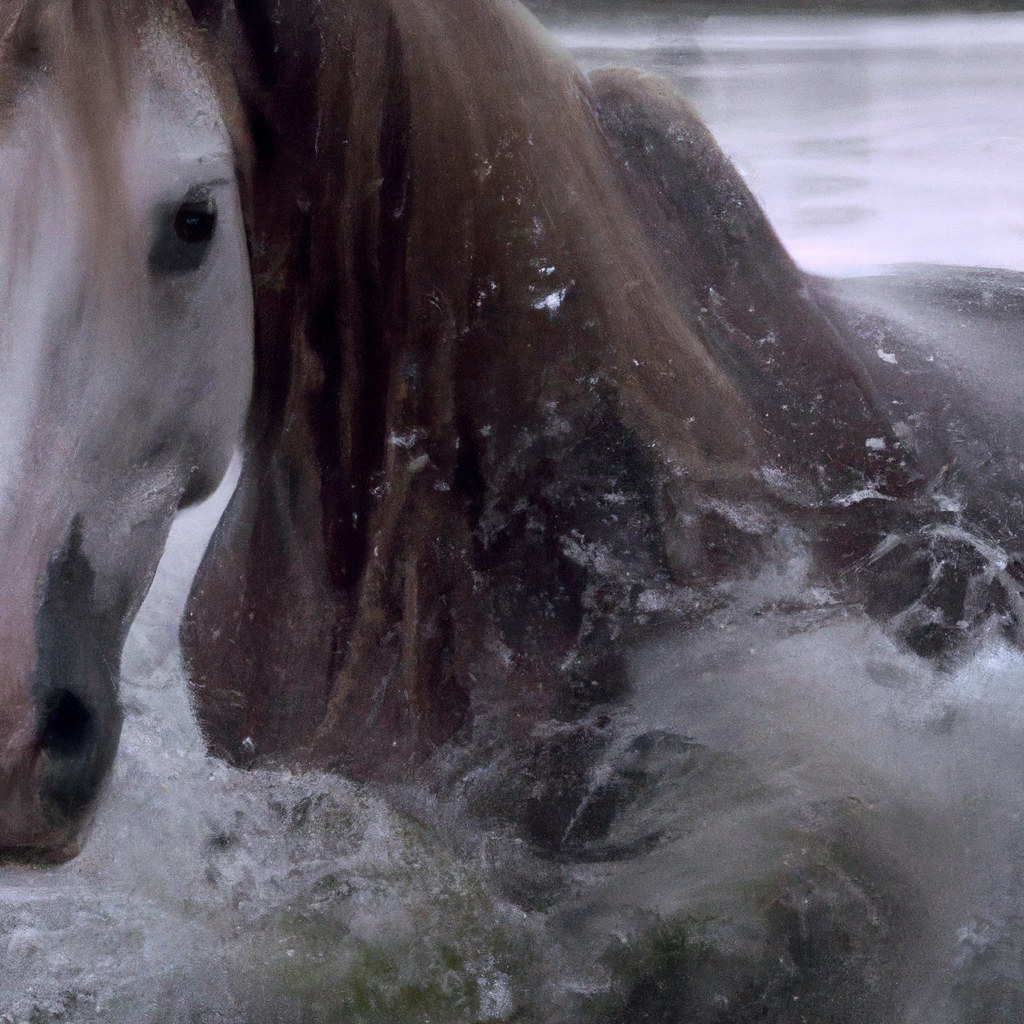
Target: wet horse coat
x=493 y=407
x=529 y=369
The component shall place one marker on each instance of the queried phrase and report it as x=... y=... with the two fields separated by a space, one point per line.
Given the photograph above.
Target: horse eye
x=183 y=234
x=194 y=222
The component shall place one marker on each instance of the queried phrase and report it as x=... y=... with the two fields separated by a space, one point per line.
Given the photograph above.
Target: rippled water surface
x=802 y=793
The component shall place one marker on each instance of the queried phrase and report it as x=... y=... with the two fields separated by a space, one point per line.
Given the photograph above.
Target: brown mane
x=468 y=330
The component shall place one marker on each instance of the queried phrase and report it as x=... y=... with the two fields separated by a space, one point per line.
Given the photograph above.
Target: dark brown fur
x=427 y=439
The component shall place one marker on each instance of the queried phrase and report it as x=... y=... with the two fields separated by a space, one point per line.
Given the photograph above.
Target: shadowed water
x=790 y=820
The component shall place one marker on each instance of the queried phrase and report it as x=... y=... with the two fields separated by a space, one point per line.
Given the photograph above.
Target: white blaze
x=111 y=374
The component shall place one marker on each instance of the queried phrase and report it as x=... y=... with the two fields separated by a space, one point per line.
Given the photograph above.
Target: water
x=869 y=141
x=208 y=894
x=802 y=793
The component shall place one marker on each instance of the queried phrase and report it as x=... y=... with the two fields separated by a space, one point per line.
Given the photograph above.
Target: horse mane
x=437 y=265
x=465 y=335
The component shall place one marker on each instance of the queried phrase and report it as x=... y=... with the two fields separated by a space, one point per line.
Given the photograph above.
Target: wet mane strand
x=499 y=126
x=83 y=44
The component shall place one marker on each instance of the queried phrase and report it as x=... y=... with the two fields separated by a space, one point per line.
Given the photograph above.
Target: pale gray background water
x=206 y=894
x=868 y=140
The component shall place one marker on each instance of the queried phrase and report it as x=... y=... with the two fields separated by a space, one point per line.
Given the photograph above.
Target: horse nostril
x=67 y=725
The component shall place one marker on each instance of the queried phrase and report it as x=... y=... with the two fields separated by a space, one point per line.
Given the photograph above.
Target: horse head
x=125 y=355
x=492 y=330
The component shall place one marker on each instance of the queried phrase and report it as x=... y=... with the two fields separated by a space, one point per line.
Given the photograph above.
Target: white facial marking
x=125 y=320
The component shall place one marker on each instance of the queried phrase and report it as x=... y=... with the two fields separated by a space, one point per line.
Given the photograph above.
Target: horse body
x=126 y=374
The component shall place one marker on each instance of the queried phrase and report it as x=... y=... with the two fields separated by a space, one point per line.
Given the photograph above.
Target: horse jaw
x=124 y=381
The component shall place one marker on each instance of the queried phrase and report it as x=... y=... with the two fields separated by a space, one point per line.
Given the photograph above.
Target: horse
x=127 y=355
x=517 y=365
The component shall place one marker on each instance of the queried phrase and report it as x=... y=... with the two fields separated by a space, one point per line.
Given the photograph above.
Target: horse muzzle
x=52 y=765
x=60 y=719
